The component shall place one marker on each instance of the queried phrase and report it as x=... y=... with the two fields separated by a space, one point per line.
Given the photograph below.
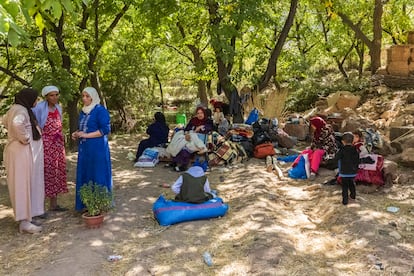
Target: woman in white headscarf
x=94 y=160
x=49 y=116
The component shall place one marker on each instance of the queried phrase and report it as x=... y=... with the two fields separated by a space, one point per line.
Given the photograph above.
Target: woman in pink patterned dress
x=49 y=115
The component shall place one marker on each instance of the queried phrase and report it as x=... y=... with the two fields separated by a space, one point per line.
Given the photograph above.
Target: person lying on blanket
x=192 y=186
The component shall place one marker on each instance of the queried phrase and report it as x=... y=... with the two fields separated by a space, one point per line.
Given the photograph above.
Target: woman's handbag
x=263 y=150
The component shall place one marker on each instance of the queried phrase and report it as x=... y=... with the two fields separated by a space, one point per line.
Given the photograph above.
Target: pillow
x=168 y=212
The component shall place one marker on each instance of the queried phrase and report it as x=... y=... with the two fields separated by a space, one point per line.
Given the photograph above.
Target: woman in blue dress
x=94 y=160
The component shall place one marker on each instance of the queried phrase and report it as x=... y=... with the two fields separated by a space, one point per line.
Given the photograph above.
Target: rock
x=407 y=157
x=388 y=114
x=395 y=235
x=398 y=131
x=386 y=149
x=390 y=172
x=390 y=168
x=409 y=109
x=410 y=98
x=300 y=131
x=342 y=100
x=403 y=179
x=405 y=141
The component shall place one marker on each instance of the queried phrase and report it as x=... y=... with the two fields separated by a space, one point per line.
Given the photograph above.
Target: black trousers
x=348 y=183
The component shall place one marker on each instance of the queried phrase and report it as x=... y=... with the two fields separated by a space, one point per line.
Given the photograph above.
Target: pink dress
x=55 y=160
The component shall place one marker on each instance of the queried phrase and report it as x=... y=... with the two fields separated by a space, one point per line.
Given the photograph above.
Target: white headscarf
x=95 y=99
x=50 y=88
x=196 y=171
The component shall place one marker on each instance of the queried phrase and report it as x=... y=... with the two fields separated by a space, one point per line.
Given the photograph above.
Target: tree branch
x=14 y=76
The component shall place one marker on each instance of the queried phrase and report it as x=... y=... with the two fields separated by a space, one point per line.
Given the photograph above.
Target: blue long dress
x=94 y=159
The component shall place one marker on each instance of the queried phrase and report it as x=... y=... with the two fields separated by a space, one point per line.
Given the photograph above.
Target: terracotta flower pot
x=93 y=222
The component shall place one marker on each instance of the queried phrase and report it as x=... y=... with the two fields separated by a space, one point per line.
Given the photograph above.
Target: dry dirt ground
x=272 y=228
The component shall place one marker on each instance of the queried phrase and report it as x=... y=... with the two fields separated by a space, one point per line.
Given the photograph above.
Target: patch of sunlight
x=126 y=175
x=49 y=236
x=298 y=219
x=241 y=231
x=369 y=215
x=184 y=249
x=296 y=193
x=115 y=228
x=318 y=243
x=235 y=268
x=143 y=235
x=407 y=246
x=360 y=243
x=151 y=199
x=352 y=268
x=97 y=243
x=137 y=270
x=54 y=220
x=6 y=213
x=162 y=269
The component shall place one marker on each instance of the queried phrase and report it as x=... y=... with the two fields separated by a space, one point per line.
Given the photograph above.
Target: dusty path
x=272 y=228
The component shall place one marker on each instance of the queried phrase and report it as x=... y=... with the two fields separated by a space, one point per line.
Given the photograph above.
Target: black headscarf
x=159 y=117
x=27 y=97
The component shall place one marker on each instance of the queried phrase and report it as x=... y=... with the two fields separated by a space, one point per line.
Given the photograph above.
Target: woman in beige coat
x=23 y=158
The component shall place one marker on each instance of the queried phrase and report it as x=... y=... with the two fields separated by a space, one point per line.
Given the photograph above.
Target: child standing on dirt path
x=348 y=161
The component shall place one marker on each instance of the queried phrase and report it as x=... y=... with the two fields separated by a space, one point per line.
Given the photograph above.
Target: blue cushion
x=168 y=212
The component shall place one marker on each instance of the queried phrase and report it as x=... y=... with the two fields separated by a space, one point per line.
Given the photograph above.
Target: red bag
x=263 y=150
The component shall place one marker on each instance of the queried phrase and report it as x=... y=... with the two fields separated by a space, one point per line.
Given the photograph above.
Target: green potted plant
x=98 y=200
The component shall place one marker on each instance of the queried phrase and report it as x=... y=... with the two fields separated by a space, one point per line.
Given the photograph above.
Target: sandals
x=42 y=216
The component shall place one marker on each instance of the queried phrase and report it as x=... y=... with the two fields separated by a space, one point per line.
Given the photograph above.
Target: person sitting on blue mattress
x=192 y=186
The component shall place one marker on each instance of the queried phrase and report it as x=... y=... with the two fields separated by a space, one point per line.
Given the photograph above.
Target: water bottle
x=207 y=258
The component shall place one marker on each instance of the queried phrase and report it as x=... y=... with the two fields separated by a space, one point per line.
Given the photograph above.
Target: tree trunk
x=199 y=66
x=271 y=69
x=374 y=46
x=360 y=51
x=73 y=113
x=375 y=51
x=224 y=69
x=202 y=92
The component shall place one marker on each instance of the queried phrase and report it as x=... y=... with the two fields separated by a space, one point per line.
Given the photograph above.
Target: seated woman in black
x=158 y=134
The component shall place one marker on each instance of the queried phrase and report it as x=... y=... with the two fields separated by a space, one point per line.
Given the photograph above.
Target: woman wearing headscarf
x=323 y=146
x=23 y=157
x=94 y=160
x=49 y=115
x=201 y=124
x=158 y=134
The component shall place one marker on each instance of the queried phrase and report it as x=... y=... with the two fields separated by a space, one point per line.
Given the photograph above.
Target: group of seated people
x=325 y=146
x=191 y=139
x=185 y=141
